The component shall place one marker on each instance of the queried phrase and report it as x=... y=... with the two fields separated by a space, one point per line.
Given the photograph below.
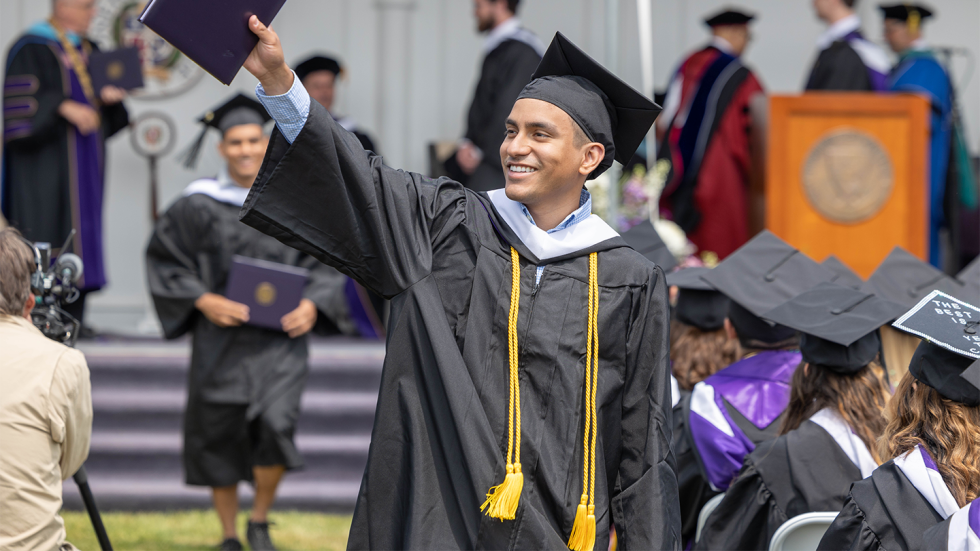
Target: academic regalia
x=511 y=55
x=960 y=532
x=53 y=177
x=810 y=468
x=445 y=256
x=847 y=61
x=894 y=507
x=707 y=144
x=904 y=278
x=844 y=275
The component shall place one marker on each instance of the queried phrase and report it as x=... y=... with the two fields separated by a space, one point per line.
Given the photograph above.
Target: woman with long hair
x=932 y=439
x=827 y=436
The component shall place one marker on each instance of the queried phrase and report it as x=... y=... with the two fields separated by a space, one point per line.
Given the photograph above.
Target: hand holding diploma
x=267 y=61
x=301 y=320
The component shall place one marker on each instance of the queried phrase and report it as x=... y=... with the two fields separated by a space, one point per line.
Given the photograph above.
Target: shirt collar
x=500 y=33
x=583 y=211
x=723 y=45
x=838 y=31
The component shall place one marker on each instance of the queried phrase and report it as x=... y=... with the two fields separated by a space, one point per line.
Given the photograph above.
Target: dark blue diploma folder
x=269 y=289
x=120 y=68
x=212 y=33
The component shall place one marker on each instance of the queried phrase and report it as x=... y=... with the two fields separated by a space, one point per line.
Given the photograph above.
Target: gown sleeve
x=326 y=287
x=176 y=264
x=747 y=516
x=326 y=196
x=646 y=510
x=33 y=92
x=850 y=531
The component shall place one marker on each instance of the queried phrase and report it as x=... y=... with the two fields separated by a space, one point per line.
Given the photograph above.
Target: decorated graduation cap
x=838 y=325
x=903 y=278
x=729 y=16
x=950 y=350
x=644 y=239
x=237 y=111
x=760 y=275
x=318 y=63
x=698 y=303
x=843 y=274
x=608 y=110
x=913 y=14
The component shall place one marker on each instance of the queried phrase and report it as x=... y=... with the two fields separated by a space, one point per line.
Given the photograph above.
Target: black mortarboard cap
x=607 y=109
x=903 y=278
x=698 y=303
x=839 y=325
x=238 y=110
x=970 y=278
x=972 y=374
x=950 y=328
x=318 y=63
x=644 y=239
x=843 y=274
x=728 y=16
x=902 y=12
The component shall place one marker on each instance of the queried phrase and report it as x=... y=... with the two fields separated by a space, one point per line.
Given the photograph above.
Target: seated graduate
x=527 y=344
x=728 y=414
x=961 y=531
x=245 y=381
x=319 y=76
x=827 y=438
x=931 y=440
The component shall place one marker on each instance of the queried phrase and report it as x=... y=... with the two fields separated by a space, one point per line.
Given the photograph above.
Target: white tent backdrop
x=412 y=64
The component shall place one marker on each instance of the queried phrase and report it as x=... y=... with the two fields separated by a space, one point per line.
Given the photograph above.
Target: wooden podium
x=847 y=174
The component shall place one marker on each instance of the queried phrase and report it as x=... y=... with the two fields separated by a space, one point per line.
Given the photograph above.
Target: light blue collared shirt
x=290 y=111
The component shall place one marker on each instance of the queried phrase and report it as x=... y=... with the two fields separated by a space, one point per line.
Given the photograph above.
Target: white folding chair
x=710 y=506
x=802 y=532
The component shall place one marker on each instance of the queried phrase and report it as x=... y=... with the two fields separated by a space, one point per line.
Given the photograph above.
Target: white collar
x=500 y=33
x=855 y=449
x=919 y=45
x=222 y=189
x=723 y=45
x=544 y=245
x=927 y=481
x=839 y=30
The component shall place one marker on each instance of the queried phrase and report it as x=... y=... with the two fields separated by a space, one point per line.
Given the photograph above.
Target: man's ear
x=29 y=305
x=593 y=155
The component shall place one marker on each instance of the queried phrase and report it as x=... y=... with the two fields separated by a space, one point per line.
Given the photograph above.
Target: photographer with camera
x=45 y=411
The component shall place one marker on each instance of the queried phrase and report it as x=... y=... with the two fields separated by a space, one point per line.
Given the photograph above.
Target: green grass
x=199 y=530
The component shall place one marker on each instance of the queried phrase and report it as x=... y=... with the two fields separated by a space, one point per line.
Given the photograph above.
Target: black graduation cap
x=903 y=12
x=644 y=239
x=839 y=325
x=950 y=328
x=607 y=109
x=698 y=303
x=843 y=275
x=238 y=110
x=903 y=278
x=729 y=16
x=318 y=63
x=970 y=278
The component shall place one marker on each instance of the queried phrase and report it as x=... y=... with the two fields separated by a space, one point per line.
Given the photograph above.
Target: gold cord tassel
x=502 y=499
x=582 y=537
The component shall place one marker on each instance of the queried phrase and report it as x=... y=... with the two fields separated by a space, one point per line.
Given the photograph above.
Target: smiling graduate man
x=525 y=400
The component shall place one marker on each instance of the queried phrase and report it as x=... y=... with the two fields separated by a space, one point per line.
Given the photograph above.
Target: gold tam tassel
x=503 y=499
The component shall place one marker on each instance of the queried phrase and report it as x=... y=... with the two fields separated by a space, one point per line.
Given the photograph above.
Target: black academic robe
x=883 y=511
x=506 y=70
x=800 y=472
x=441 y=253
x=692 y=481
x=189 y=254
x=839 y=68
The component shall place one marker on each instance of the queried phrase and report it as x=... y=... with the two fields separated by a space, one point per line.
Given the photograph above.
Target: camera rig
x=53 y=284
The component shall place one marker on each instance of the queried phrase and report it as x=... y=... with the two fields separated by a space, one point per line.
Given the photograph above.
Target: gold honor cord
x=582 y=537
x=502 y=499
x=76 y=63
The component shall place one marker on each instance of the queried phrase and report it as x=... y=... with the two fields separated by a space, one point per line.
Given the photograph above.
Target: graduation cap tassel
x=502 y=500
x=583 y=533
x=190 y=155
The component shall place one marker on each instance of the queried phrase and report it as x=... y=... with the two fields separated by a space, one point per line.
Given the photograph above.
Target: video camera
x=53 y=284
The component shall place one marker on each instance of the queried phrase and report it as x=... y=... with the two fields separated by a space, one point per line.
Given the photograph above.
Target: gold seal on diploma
x=848 y=176
x=265 y=294
x=115 y=70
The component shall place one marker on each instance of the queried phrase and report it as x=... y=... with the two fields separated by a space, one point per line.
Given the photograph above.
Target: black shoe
x=231 y=544
x=258 y=536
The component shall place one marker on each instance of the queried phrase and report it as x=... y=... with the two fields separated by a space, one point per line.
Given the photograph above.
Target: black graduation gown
x=37 y=164
x=883 y=511
x=506 y=70
x=800 y=472
x=190 y=253
x=441 y=253
x=840 y=68
x=692 y=482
